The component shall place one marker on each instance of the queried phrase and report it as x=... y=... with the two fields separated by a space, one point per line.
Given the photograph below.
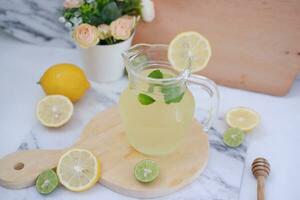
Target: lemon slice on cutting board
x=78 y=170
x=54 y=110
x=243 y=118
x=189 y=50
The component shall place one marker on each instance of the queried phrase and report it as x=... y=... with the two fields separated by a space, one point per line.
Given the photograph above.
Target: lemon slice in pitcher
x=54 y=110
x=189 y=50
x=78 y=170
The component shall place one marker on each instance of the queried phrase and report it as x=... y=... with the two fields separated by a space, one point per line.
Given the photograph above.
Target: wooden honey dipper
x=260 y=169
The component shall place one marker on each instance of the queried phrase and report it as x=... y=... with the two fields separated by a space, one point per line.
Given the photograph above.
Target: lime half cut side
x=146 y=171
x=233 y=137
x=46 y=182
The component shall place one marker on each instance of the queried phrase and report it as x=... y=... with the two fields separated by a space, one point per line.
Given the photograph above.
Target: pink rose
x=122 y=27
x=86 y=35
x=72 y=3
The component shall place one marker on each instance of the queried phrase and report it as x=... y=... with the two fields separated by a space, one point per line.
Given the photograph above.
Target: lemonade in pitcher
x=157 y=108
x=154 y=125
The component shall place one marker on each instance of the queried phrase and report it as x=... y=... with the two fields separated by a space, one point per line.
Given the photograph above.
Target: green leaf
x=156 y=74
x=145 y=99
x=130 y=7
x=110 y=12
x=172 y=94
x=169 y=99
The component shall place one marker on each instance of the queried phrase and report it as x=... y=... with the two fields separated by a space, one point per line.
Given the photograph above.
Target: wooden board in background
x=255 y=44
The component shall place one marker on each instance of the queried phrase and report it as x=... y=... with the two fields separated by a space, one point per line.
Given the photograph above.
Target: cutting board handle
x=20 y=169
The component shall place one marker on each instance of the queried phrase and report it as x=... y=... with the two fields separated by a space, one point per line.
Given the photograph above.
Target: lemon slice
x=189 y=50
x=78 y=170
x=54 y=110
x=243 y=118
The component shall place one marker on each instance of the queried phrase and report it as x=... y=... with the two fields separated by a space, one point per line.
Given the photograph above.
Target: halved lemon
x=54 y=110
x=189 y=50
x=78 y=170
x=243 y=118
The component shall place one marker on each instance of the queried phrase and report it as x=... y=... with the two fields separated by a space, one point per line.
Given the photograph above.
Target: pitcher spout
x=131 y=55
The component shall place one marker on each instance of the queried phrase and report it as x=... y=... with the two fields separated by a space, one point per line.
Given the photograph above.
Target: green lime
x=233 y=137
x=46 y=182
x=146 y=171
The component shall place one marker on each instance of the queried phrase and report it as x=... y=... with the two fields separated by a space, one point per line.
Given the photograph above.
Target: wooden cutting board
x=255 y=44
x=104 y=135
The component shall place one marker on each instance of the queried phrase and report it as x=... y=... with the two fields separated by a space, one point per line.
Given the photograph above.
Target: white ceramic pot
x=104 y=63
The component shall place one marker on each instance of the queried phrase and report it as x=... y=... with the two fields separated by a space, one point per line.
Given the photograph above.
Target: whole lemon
x=65 y=79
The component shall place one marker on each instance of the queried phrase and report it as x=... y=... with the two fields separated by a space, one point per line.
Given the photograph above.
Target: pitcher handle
x=211 y=88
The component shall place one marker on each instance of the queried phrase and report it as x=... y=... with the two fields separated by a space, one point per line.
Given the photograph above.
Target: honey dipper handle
x=20 y=169
x=260 y=188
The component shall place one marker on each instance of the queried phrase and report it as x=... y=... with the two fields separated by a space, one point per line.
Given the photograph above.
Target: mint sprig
x=145 y=99
x=156 y=74
x=172 y=94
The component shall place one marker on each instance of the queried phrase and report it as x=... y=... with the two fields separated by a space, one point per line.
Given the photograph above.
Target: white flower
x=73 y=20
x=90 y=1
x=148 y=12
x=77 y=13
x=76 y=20
x=62 y=20
x=68 y=25
x=79 y=20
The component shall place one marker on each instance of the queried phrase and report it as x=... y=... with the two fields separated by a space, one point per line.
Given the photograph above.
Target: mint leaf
x=145 y=99
x=172 y=94
x=177 y=99
x=156 y=74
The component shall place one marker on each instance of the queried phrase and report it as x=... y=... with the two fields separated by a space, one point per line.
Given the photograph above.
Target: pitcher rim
x=182 y=75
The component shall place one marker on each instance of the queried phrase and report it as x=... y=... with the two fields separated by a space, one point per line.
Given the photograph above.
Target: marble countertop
x=276 y=138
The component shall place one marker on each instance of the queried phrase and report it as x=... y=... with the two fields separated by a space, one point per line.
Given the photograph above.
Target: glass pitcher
x=157 y=108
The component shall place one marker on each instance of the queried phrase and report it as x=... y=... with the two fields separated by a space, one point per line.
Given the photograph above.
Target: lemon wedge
x=243 y=118
x=54 y=110
x=189 y=50
x=78 y=170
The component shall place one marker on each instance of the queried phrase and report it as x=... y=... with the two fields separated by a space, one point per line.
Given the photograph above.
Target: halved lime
x=233 y=137
x=46 y=182
x=146 y=171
